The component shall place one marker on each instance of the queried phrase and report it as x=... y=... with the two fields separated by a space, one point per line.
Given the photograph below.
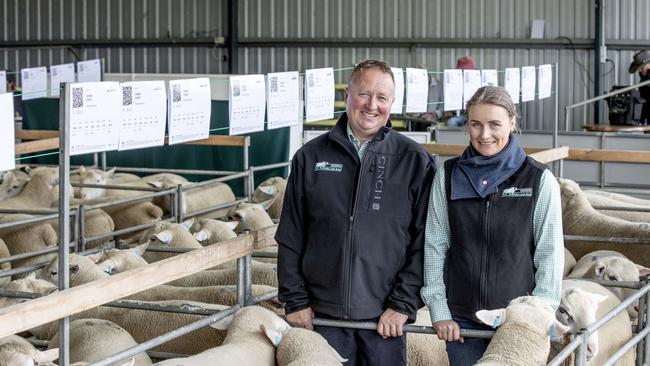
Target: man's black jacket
x=351 y=234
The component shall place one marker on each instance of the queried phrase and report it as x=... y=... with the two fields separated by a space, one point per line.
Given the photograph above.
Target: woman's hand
x=448 y=330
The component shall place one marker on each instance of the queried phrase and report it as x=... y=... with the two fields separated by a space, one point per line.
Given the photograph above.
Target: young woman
x=494 y=228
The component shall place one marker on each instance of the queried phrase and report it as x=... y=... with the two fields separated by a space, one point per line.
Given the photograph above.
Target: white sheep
x=596 y=198
x=171 y=235
x=28 y=284
x=569 y=262
x=261 y=273
x=121 y=260
x=251 y=216
x=210 y=231
x=4 y=253
x=272 y=190
x=138 y=213
x=96 y=222
x=583 y=302
x=85 y=269
x=16 y=351
x=302 y=347
x=211 y=195
x=580 y=218
x=41 y=191
x=425 y=349
x=98 y=177
x=147 y=324
x=244 y=344
x=12 y=182
x=27 y=238
x=93 y=340
x=523 y=333
x=611 y=266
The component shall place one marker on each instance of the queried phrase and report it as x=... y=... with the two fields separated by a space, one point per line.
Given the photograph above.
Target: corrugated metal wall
x=25 y=20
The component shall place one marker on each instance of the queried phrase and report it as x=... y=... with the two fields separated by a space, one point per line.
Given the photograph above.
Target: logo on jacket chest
x=325 y=166
x=378 y=182
x=517 y=192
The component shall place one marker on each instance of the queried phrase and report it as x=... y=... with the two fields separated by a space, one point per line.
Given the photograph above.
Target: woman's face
x=489 y=128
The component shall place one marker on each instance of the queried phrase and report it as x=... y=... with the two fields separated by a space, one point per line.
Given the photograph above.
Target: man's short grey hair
x=371 y=64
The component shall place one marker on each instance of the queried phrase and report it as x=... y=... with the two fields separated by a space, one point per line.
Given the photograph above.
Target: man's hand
x=301 y=319
x=448 y=330
x=390 y=323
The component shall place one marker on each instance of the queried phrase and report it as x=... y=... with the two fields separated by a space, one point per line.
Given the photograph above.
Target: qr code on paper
x=273 y=84
x=127 y=95
x=176 y=93
x=54 y=71
x=81 y=67
x=310 y=81
x=77 y=97
x=25 y=75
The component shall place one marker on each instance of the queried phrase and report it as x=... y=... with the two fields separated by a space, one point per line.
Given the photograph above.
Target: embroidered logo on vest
x=328 y=167
x=517 y=192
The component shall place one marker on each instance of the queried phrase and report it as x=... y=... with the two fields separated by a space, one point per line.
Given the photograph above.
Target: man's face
x=644 y=69
x=368 y=102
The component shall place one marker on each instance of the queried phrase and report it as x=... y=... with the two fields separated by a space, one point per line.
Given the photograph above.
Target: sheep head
x=577 y=310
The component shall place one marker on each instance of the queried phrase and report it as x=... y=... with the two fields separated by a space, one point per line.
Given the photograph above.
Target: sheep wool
x=596 y=198
x=4 y=253
x=516 y=344
x=305 y=348
x=580 y=218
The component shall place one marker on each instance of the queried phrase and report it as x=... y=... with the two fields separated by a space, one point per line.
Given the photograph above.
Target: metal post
x=640 y=323
x=95 y=160
x=599 y=48
x=180 y=203
x=251 y=184
x=646 y=341
x=104 y=160
x=602 y=162
x=244 y=281
x=233 y=37
x=77 y=223
x=64 y=219
x=173 y=204
x=247 y=143
x=82 y=227
x=566 y=118
x=581 y=351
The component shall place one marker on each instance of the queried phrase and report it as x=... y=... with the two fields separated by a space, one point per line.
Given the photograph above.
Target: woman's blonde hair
x=495 y=95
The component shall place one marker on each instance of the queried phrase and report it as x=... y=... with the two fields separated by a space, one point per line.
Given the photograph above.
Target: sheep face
x=116 y=261
x=617 y=269
x=577 y=310
x=10 y=184
x=29 y=284
x=251 y=216
x=530 y=310
x=212 y=231
x=14 y=351
x=93 y=177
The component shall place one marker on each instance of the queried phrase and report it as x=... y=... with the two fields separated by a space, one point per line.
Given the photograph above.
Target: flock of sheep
x=258 y=335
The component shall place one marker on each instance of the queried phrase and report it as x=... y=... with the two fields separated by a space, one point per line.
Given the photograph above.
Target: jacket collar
x=340 y=135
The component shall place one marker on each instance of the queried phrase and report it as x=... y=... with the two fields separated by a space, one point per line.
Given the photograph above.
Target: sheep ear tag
x=493 y=318
x=273 y=335
x=202 y=235
x=268 y=190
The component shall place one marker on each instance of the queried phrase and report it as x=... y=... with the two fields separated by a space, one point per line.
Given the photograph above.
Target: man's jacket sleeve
x=405 y=296
x=290 y=237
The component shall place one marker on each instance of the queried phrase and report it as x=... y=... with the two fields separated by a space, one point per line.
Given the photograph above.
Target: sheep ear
x=558 y=329
x=599 y=269
x=111 y=172
x=273 y=335
x=224 y=323
x=26 y=169
x=188 y=223
x=74 y=268
x=643 y=271
x=95 y=257
x=266 y=204
x=232 y=225
x=268 y=190
x=129 y=362
x=46 y=356
x=31 y=276
x=596 y=298
x=202 y=235
x=140 y=249
x=155 y=183
x=82 y=169
x=164 y=236
x=338 y=357
x=493 y=318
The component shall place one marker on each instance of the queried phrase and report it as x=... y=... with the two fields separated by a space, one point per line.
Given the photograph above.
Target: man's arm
x=405 y=296
x=291 y=238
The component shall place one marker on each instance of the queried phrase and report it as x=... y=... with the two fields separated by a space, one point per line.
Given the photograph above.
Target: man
x=352 y=229
x=641 y=63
